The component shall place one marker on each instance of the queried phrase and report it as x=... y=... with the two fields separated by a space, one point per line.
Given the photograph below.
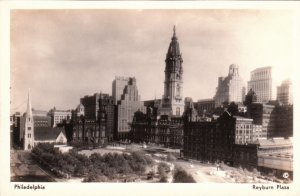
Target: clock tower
x=172 y=101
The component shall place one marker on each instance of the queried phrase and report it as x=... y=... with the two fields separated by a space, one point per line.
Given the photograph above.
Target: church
x=29 y=135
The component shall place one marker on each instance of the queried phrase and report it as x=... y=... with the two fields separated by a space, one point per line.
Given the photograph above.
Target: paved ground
x=201 y=172
x=23 y=168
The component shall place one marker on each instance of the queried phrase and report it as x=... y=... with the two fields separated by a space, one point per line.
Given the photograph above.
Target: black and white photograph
x=135 y=96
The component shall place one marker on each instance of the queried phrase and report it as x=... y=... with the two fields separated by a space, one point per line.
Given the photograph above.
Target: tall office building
x=128 y=104
x=118 y=87
x=173 y=101
x=91 y=106
x=261 y=83
x=285 y=93
x=230 y=88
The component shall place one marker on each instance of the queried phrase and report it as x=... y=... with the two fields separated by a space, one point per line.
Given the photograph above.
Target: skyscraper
x=261 y=84
x=127 y=105
x=285 y=93
x=91 y=106
x=118 y=87
x=173 y=101
x=230 y=88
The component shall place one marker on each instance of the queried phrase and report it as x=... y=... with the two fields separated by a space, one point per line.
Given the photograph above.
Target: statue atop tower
x=172 y=101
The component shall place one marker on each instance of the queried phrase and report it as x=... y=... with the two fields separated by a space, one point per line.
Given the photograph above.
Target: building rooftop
x=279 y=141
x=242 y=118
x=47 y=133
x=262 y=68
x=206 y=100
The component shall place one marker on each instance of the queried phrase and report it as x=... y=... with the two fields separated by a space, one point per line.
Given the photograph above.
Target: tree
x=163 y=168
x=233 y=108
x=80 y=170
x=250 y=97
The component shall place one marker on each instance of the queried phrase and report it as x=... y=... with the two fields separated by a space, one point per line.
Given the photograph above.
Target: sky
x=63 y=55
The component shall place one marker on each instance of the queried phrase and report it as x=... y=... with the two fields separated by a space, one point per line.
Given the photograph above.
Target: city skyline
x=76 y=57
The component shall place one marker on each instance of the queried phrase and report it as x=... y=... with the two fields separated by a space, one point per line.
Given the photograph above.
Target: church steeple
x=29 y=109
x=29 y=126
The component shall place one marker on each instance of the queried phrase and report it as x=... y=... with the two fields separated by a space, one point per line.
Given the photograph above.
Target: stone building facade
x=205 y=106
x=96 y=125
x=261 y=83
x=245 y=131
x=265 y=115
x=164 y=130
x=128 y=104
x=58 y=116
x=214 y=141
x=285 y=93
x=230 y=88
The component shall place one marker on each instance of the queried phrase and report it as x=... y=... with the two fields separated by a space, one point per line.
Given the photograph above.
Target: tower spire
x=172 y=102
x=29 y=109
x=174 y=31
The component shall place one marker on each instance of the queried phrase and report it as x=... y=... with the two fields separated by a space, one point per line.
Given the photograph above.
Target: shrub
x=164 y=178
x=182 y=176
x=171 y=158
x=163 y=168
x=80 y=171
x=150 y=175
x=92 y=177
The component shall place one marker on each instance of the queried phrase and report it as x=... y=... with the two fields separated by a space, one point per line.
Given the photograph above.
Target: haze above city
x=63 y=55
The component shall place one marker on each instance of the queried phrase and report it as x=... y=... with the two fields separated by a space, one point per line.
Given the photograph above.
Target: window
x=177 y=111
x=28 y=128
x=178 y=90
